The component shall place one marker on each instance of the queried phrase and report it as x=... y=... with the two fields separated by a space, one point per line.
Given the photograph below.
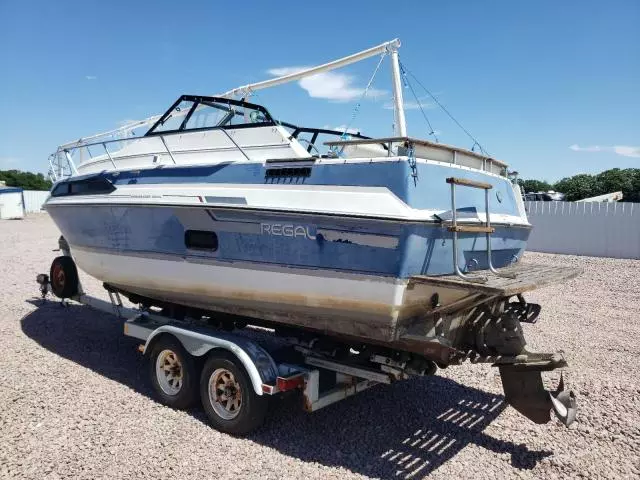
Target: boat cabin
x=203 y=130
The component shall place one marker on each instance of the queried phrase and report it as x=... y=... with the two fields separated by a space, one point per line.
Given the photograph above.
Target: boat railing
x=417 y=148
x=62 y=165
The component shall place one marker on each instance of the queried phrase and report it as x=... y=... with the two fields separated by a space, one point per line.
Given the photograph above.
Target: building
x=11 y=203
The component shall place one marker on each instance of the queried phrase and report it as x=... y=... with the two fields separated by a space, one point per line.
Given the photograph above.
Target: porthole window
x=201 y=240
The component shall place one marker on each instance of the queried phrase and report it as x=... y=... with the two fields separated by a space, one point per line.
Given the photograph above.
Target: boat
x=221 y=210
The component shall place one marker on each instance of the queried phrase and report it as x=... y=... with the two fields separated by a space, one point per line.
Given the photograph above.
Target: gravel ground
x=75 y=400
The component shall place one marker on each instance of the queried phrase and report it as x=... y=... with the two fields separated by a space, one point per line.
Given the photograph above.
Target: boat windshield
x=198 y=113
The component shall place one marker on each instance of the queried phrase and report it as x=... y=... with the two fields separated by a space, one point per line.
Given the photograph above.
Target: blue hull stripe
x=383 y=248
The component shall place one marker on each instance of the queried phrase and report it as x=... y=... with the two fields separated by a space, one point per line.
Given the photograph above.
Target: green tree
x=626 y=180
x=578 y=187
x=583 y=186
x=534 y=185
x=633 y=194
x=26 y=180
x=613 y=180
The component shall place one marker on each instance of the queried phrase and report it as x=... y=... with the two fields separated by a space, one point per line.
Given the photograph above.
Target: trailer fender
x=257 y=362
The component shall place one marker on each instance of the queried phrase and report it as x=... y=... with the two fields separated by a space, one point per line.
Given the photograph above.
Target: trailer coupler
x=524 y=391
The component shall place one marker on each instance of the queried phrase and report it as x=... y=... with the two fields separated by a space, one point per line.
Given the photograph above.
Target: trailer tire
x=64 y=277
x=228 y=397
x=173 y=372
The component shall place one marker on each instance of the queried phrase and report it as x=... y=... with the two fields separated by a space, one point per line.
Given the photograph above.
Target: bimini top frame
x=390 y=48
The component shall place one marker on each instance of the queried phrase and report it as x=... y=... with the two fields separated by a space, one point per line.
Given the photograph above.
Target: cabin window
x=90 y=185
x=174 y=120
x=205 y=116
x=61 y=189
x=201 y=240
x=197 y=113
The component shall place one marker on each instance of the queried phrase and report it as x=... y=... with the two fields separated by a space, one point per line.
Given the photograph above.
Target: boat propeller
x=524 y=391
x=564 y=403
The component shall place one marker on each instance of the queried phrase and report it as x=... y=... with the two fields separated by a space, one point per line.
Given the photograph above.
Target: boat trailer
x=236 y=374
x=319 y=378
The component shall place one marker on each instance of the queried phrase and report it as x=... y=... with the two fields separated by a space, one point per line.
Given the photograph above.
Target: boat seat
x=364 y=151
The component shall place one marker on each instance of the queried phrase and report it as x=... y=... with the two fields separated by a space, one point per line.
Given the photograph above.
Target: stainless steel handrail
x=238 y=146
x=104 y=144
x=168 y=150
x=416 y=141
x=489 y=260
x=109 y=155
x=454 y=224
x=70 y=162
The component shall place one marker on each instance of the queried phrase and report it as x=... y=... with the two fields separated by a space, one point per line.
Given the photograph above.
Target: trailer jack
x=524 y=391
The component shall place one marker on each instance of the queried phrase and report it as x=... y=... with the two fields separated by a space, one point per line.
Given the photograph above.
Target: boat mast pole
x=387 y=47
x=401 y=125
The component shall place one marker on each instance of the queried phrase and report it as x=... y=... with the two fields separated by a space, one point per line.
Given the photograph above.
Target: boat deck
x=527 y=277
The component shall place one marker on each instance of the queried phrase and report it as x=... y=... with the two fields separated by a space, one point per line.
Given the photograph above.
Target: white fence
x=34 y=199
x=593 y=228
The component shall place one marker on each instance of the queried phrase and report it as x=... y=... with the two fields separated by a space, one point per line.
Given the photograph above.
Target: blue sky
x=553 y=88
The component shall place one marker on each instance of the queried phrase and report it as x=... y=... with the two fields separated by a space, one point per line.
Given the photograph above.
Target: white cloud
x=90 y=77
x=411 y=104
x=624 y=150
x=577 y=148
x=627 y=151
x=334 y=86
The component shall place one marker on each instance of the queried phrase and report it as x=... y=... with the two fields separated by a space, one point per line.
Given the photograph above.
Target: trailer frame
x=268 y=376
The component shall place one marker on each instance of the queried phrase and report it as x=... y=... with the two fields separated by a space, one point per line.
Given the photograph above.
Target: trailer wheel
x=228 y=397
x=64 y=277
x=173 y=373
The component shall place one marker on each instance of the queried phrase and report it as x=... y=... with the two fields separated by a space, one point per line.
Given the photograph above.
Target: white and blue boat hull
x=334 y=258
